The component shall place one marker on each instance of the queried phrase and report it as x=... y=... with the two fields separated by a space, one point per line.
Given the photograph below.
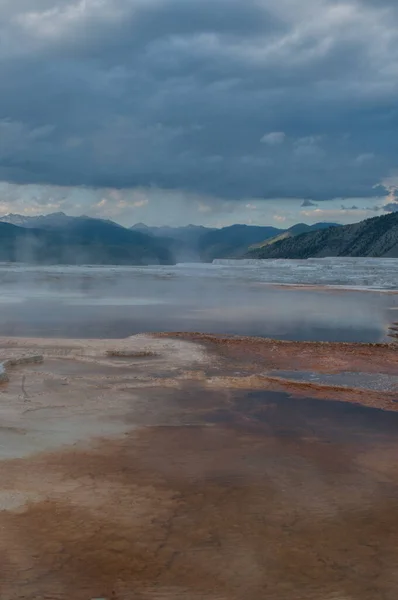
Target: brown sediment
x=193 y=476
x=374 y=399
x=243 y=362
x=325 y=357
x=177 y=512
x=328 y=289
x=364 y=397
x=182 y=512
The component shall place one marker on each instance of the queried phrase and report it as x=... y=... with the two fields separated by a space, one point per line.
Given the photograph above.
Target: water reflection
x=109 y=302
x=221 y=495
x=298 y=497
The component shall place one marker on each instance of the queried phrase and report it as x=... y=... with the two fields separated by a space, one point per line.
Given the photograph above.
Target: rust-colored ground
x=243 y=362
x=202 y=512
x=278 y=354
x=148 y=474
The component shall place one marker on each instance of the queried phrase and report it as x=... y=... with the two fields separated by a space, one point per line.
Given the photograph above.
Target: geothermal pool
x=194 y=466
x=337 y=300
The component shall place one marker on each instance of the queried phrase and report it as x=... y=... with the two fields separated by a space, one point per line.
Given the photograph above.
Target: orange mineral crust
x=184 y=467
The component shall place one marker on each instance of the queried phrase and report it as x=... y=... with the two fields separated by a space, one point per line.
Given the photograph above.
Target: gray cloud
x=273 y=138
x=306 y=203
x=178 y=94
x=391 y=207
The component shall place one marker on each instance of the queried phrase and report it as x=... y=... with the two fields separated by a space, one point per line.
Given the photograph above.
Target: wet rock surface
x=140 y=477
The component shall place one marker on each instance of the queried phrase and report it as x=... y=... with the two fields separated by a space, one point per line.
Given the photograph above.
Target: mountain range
x=59 y=238
x=183 y=242
x=293 y=232
x=375 y=237
x=204 y=244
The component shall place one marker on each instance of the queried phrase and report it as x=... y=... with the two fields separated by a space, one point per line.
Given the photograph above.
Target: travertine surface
x=163 y=468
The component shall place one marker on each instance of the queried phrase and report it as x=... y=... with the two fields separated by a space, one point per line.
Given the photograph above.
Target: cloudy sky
x=202 y=111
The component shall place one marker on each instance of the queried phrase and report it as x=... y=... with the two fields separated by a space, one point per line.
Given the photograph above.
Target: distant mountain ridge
x=182 y=241
x=57 y=219
x=59 y=238
x=206 y=244
x=294 y=231
x=77 y=240
x=232 y=241
x=375 y=237
x=182 y=232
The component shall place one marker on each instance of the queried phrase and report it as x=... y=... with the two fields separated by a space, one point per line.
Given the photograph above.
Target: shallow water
x=369 y=381
x=108 y=302
x=266 y=496
x=115 y=486
x=116 y=491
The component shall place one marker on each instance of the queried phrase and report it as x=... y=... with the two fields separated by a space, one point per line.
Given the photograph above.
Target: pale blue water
x=353 y=303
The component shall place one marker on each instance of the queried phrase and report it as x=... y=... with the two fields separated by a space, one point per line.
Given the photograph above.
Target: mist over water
x=352 y=300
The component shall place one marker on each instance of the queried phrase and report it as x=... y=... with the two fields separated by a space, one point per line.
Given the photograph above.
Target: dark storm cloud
x=306 y=203
x=391 y=207
x=229 y=98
